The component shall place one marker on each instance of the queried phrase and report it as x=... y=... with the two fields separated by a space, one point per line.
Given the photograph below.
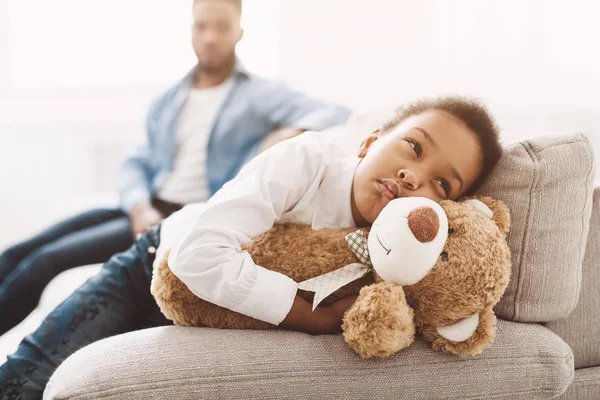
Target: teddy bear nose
x=424 y=224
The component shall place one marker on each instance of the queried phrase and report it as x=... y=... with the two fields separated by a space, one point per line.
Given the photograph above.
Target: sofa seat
x=586 y=385
x=527 y=361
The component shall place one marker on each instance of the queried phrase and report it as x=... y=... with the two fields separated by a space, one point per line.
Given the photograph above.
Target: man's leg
x=115 y=301
x=12 y=256
x=21 y=290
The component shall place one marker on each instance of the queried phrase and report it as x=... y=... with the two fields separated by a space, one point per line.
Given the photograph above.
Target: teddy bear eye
x=450 y=231
x=444 y=256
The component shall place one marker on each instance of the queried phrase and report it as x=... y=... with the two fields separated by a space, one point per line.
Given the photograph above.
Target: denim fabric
x=91 y=237
x=115 y=301
x=26 y=268
x=251 y=110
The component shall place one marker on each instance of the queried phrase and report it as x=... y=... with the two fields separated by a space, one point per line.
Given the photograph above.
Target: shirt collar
x=333 y=205
x=239 y=69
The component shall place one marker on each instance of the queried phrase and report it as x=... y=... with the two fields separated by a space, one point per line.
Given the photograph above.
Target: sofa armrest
x=527 y=361
x=581 y=330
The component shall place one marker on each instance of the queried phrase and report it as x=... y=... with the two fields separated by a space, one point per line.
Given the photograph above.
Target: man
x=199 y=134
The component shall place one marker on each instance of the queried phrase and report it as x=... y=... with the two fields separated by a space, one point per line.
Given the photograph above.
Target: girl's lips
x=388 y=188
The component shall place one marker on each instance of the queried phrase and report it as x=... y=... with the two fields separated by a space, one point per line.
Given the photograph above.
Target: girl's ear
x=465 y=337
x=367 y=142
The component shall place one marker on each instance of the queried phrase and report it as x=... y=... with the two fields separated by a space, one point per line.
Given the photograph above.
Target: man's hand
x=142 y=217
x=324 y=320
x=277 y=136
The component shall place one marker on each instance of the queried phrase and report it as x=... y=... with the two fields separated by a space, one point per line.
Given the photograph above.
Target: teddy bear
x=435 y=269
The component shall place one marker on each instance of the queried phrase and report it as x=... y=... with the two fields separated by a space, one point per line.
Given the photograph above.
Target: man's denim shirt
x=251 y=110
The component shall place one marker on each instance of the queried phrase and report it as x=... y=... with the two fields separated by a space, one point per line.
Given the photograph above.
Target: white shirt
x=188 y=181
x=299 y=180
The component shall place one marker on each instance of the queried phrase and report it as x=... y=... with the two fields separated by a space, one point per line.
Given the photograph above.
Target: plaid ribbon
x=360 y=246
x=328 y=283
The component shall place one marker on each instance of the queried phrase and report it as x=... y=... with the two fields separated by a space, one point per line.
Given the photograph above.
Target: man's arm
x=278 y=135
x=286 y=107
x=295 y=113
x=135 y=178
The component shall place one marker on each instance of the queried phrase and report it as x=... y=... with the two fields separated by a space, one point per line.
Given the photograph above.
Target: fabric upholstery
x=547 y=183
x=585 y=386
x=527 y=361
x=581 y=330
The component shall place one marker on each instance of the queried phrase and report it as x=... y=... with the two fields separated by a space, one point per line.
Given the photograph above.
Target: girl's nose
x=409 y=179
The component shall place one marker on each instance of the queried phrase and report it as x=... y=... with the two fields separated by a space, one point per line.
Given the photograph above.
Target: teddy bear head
x=453 y=263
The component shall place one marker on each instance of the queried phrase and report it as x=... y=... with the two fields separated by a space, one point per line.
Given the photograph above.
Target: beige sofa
x=548 y=341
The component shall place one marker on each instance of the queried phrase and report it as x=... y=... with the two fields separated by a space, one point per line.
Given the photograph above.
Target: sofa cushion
x=581 y=330
x=547 y=183
x=527 y=362
x=586 y=385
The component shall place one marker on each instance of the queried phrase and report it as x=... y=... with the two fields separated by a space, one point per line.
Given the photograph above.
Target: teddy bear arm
x=380 y=322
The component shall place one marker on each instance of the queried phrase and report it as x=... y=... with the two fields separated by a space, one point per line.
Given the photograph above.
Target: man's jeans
x=26 y=268
x=88 y=238
x=115 y=301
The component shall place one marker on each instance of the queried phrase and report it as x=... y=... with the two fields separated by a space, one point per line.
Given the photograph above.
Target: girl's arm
x=209 y=260
x=325 y=319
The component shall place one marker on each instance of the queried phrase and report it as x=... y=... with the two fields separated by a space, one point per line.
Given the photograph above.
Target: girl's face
x=432 y=155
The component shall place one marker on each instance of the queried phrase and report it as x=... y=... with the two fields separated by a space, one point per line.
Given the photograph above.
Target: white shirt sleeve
x=208 y=258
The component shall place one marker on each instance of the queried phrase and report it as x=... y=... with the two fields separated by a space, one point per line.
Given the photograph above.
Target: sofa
x=547 y=343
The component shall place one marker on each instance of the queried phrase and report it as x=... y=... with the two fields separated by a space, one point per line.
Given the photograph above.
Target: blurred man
x=198 y=136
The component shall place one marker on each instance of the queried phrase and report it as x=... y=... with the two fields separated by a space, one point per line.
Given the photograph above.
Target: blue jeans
x=115 y=301
x=26 y=268
x=88 y=238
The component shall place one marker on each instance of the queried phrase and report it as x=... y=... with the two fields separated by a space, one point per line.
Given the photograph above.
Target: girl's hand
x=324 y=320
x=337 y=310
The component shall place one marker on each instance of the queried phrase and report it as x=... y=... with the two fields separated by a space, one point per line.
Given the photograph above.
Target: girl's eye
x=445 y=186
x=416 y=147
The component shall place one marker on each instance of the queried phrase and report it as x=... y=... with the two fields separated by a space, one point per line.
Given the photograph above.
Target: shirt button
x=151 y=249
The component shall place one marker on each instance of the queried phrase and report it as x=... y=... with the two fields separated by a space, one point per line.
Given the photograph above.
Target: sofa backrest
x=581 y=330
x=547 y=183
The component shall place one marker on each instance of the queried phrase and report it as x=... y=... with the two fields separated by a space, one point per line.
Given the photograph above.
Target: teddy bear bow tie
x=328 y=283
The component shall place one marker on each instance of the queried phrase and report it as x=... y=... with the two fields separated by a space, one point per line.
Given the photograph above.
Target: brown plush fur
x=381 y=321
x=471 y=280
x=294 y=250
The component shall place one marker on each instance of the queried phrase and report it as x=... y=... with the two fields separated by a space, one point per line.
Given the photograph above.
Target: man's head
x=439 y=149
x=215 y=32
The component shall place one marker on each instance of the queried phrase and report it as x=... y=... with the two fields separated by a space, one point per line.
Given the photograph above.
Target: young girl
x=439 y=149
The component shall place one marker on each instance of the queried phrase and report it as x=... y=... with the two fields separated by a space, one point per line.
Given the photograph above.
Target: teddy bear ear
x=465 y=337
x=494 y=209
x=460 y=331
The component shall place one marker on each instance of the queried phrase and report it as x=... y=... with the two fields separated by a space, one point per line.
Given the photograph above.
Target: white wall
x=516 y=54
